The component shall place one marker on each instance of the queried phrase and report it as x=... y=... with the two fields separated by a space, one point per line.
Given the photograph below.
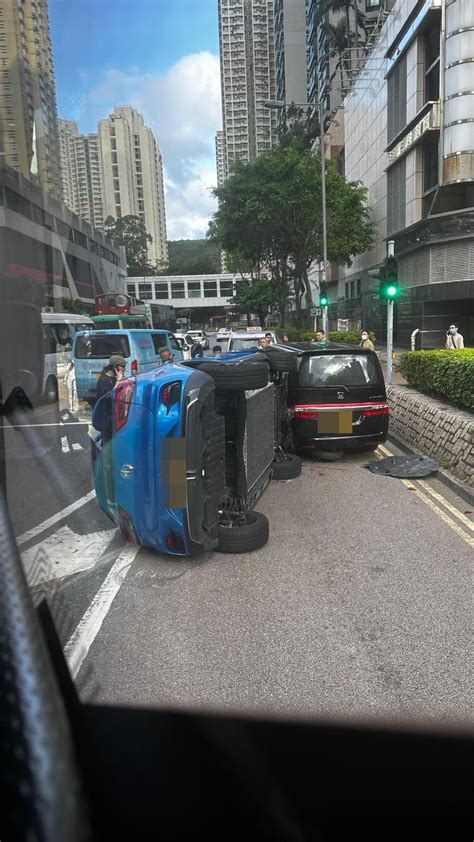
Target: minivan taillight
x=134 y=367
x=123 y=398
x=380 y=409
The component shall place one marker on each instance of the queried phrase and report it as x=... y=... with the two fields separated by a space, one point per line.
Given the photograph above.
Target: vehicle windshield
x=209 y=529
x=99 y=347
x=338 y=370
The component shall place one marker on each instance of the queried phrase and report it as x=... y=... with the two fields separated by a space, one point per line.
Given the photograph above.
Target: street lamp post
x=322 y=153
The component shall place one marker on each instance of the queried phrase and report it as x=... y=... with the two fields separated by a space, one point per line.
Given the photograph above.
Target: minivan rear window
x=338 y=370
x=96 y=347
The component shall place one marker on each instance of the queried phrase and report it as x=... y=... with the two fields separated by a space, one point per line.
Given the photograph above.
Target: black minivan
x=336 y=398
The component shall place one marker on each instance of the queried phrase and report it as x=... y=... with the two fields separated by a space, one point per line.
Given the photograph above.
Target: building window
x=177 y=290
x=194 y=289
x=210 y=289
x=352 y=289
x=397 y=99
x=370 y=5
x=131 y=290
x=359 y=290
x=396 y=197
x=430 y=166
x=347 y=290
x=226 y=289
x=144 y=291
x=161 y=291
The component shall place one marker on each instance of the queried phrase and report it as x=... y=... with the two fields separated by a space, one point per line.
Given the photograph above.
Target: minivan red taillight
x=376 y=409
x=123 y=398
x=134 y=367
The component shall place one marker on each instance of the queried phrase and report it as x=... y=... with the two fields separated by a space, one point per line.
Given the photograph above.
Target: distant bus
x=115 y=310
x=58 y=335
x=162 y=315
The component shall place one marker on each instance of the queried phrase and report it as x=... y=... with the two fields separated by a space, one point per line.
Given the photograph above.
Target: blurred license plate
x=339 y=422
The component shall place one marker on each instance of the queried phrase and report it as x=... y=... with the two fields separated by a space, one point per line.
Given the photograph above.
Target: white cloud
x=183 y=107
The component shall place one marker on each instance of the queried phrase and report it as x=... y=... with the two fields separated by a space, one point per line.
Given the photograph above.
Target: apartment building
x=132 y=175
x=221 y=161
x=81 y=173
x=28 y=117
x=290 y=52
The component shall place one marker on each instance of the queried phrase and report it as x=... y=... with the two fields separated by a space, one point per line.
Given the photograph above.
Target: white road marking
x=64 y=444
x=78 y=645
x=77 y=446
x=64 y=553
x=56 y=518
x=49 y=424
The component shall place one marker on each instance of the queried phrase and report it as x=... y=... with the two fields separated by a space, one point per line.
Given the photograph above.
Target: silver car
x=248 y=340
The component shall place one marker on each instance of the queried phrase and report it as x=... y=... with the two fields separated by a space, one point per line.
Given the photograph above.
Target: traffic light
x=323 y=295
x=389 y=289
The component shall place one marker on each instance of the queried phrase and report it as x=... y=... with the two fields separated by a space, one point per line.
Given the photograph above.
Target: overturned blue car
x=185 y=452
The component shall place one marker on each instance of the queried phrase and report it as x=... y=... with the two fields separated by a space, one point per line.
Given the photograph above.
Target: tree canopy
x=193 y=257
x=130 y=232
x=269 y=216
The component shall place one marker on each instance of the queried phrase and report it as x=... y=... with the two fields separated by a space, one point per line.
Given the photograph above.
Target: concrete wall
x=437 y=429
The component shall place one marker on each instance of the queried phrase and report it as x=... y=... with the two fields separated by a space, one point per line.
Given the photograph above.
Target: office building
x=81 y=173
x=28 y=116
x=247 y=59
x=290 y=52
x=409 y=138
x=132 y=176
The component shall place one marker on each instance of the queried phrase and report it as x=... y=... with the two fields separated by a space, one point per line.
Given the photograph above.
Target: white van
x=58 y=334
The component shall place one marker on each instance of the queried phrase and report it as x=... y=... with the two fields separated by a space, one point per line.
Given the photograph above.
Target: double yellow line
x=465 y=531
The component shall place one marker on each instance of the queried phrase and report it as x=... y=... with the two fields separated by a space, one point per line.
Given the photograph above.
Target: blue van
x=140 y=349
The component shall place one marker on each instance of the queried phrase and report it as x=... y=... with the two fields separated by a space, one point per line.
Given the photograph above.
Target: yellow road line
x=444 y=517
x=446 y=504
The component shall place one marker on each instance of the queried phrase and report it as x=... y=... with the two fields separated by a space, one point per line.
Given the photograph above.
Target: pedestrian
x=366 y=342
x=286 y=338
x=320 y=337
x=70 y=381
x=166 y=356
x=197 y=351
x=217 y=349
x=269 y=337
x=111 y=376
x=263 y=343
x=454 y=339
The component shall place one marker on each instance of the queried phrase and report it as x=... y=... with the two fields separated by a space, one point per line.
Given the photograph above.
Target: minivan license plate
x=339 y=421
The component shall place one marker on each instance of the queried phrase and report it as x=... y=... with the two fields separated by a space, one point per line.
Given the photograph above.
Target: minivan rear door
x=92 y=351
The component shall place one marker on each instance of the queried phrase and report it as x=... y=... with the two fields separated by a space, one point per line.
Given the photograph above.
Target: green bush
x=349 y=337
x=446 y=374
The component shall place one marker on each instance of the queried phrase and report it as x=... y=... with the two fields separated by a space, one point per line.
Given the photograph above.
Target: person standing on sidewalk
x=366 y=342
x=454 y=339
x=70 y=381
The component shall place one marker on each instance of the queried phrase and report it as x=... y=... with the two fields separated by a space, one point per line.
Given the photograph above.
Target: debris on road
x=404 y=466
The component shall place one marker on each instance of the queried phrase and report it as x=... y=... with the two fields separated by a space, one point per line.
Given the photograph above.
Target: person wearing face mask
x=454 y=339
x=366 y=342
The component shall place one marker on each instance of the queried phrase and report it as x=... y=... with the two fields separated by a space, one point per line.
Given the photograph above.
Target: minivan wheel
x=51 y=390
x=289 y=467
x=327 y=455
x=242 y=533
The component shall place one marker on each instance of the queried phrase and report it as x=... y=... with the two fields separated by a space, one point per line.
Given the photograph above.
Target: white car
x=223 y=334
x=248 y=340
x=199 y=336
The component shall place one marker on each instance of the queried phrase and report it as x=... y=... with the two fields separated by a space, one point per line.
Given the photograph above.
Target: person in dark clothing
x=217 y=349
x=111 y=375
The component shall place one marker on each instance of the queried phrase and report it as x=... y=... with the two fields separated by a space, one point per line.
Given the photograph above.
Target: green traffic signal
x=389 y=289
x=323 y=295
x=392 y=291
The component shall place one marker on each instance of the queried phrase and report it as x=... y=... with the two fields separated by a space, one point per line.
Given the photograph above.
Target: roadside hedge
x=445 y=374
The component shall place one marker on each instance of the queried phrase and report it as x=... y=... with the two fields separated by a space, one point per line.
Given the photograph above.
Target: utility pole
x=322 y=153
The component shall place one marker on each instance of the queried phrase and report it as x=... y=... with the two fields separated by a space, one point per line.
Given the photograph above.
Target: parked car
x=336 y=398
x=247 y=340
x=140 y=349
x=200 y=336
x=223 y=334
x=186 y=452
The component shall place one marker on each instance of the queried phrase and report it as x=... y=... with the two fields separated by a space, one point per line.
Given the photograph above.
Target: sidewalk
x=397 y=379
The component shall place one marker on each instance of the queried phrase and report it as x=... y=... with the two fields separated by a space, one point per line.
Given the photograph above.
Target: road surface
x=358 y=605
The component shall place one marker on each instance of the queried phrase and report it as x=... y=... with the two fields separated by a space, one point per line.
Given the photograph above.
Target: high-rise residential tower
x=28 y=116
x=291 y=54
x=221 y=162
x=247 y=55
x=81 y=173
x=132 y=174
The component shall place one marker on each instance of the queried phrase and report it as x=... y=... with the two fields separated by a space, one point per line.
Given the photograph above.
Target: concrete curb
x=445 y=476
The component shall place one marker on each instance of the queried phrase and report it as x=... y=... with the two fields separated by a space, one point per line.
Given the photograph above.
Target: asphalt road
x=359 y=605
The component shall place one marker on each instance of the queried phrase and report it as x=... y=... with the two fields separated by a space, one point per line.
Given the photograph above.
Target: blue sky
x=161 y=56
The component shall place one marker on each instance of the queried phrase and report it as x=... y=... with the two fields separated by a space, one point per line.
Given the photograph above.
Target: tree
x=269 y=214
x=193 y=257
x=130 y=232
x=345 y=50
x=299 y=126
